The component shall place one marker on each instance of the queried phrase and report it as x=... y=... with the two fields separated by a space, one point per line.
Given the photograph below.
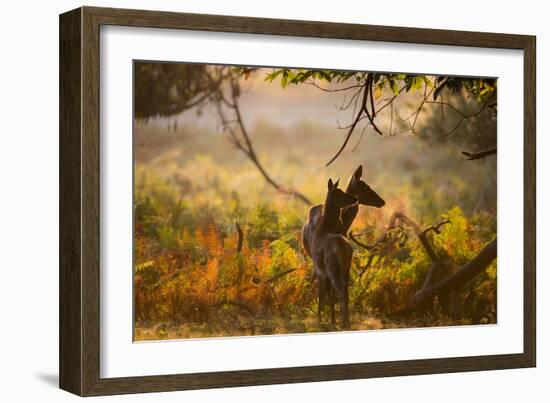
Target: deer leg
x=344 y=307
x=340 y=287
x=321 y=293
x=337 y=287
x=331 y=302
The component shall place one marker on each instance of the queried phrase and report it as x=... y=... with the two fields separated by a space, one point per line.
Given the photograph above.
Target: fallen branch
x=460 y=278
x=479 y=155
x=279 y=275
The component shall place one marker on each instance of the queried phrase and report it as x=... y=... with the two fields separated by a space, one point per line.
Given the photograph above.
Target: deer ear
x=336 y=184
x=358 y=173
x=330 y=185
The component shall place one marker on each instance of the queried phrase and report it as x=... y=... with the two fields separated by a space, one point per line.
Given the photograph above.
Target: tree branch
x=244 y=143
x=479 y=155
x=240 y=239
x=352 y=127
x=463 y=116
x=279 y=275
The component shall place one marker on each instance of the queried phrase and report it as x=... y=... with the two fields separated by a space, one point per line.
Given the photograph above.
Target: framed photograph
x=249 y=201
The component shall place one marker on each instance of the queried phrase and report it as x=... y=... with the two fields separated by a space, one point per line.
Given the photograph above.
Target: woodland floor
x=243 y=326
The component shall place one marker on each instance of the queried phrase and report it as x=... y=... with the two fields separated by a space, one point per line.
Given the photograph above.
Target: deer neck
x=331 y=217
x=349 y=213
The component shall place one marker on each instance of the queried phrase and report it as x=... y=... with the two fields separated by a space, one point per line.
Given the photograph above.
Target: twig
x=479 y=155
x=365 y=268
x=353 y=238
x=436 y=227
x=279 y=275
x=240 y=239
x=352 y=127
x=313 y=83
x=424 y=99
x=463 y=116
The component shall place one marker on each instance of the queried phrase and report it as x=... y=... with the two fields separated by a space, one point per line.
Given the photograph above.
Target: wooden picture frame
x=79 y=347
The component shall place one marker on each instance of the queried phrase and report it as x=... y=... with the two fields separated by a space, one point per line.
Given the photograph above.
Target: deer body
x=331 y=254
x=338 y=225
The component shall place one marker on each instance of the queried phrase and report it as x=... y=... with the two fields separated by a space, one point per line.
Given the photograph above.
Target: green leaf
x=284 y=80
x=417 y=83
x=272 y=76
x=393 y=86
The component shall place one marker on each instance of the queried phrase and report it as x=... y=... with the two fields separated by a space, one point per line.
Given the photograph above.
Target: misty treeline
x=222 y=263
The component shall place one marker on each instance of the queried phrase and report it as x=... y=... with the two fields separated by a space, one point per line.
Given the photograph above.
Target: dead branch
x=279 y=275
x=241 y=139
x=365 y=268
x=240 y=239
x=352 y=127
x=353 y=238
x=458 y=279
x=434 y=284
x=396 y=218
x=462 y=116
x=421 y=234
x=370 y=116
x=479 y=155
x=437 y=227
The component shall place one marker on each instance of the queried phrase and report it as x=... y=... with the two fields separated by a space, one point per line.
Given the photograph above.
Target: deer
x=332 y=254
x=366 y=196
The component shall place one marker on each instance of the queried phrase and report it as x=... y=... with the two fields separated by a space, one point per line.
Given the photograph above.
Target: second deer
x=332 y=253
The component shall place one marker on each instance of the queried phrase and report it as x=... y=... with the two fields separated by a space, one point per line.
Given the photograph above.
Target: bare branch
x=365 y=268
x=313 y=83
x=279 y=275
x=460 y=278
x=353 y=238
x=421 y=234
x=370 y=116
x=419 y=109
x=479 y=155
x=463 y=116
x=243 y=142
x=240 y=239
x=436 y=227
x=352 y=127
x=393 y=223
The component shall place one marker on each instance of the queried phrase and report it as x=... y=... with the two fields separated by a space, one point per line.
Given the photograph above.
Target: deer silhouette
x=366 y=196
x=356 y=187
x=332 y=253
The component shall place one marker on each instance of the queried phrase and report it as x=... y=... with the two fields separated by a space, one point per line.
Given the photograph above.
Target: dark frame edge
x=530 y=201
x=79 y=233
x=256 y=377
x=70 y=106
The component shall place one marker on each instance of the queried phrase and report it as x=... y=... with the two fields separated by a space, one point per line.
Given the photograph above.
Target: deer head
x=337 y=198
x=362 y=191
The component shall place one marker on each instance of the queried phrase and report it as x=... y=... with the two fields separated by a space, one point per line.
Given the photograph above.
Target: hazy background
x=298 y=127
